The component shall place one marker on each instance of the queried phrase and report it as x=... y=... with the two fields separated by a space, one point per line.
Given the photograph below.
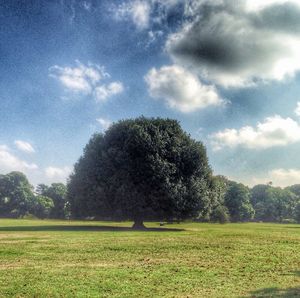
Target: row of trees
x=228 y=201
x=147 y=169
x=19 y=199
x=237 y=203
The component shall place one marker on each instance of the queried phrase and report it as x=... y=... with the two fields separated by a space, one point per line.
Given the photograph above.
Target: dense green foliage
x=16 y=195
x=147 y=169
x=57 y=193
x=274 y=204
x=263 y=202
x=86 y=259
x=42 y=206
x=225 y=201
x=220 y=214
x=141 y=169
x=237 y=200
x=18 y=199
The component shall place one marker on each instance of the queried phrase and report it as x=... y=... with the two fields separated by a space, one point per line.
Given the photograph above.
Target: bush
x=220 y=214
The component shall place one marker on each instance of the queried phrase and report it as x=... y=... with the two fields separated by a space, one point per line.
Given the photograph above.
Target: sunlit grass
x=82 y=259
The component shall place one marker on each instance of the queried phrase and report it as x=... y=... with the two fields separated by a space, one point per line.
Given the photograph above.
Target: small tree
x=141 y=169
x=220 y=214
x=219 y=187
x=57 y=192
x=42 y=206
x=16 y=195
x=237 y=200
x=297 y=213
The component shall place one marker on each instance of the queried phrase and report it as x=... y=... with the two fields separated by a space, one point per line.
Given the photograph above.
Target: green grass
x=83 y=259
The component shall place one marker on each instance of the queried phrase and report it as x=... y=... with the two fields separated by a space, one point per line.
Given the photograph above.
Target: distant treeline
x=235 y=202
x=19 y=199
x=230 y=201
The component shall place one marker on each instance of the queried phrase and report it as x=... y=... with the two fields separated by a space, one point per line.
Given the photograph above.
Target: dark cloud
x=283 y=18
x=235 y=46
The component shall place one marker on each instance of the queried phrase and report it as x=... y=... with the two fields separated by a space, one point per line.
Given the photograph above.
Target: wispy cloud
x=10 y=162
x=279 y=177
x=58 y=174
x=102 y=93
x=87 y=5
x=180 y=89
x=137 y=11
x=86 y=80
x=104 y=123
x=24 y=146
x=144 y=13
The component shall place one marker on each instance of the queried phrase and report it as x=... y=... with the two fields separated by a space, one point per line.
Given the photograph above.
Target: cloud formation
x=279 y=177
x=147 y=14
x=238 y=43
x=180 y=89
x=24 y=146
x=104 y=123
x=285 y=177
x=137 y=11
x=81 y=78
x=58 y=174
x=9 y=162
x=87 y=80
x=273 y=131
x=102 y=93
x=297 y=110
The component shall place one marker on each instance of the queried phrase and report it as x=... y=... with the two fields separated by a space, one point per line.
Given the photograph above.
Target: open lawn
x=41 y=258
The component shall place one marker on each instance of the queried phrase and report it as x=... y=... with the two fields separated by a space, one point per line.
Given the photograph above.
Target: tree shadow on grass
x=277 y=292
x=87 y=228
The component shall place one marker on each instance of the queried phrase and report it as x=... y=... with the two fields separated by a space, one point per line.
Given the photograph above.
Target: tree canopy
x=141 y=169
x=237 y=200
x=16 y=194
x=57 y=193
x=273 y=203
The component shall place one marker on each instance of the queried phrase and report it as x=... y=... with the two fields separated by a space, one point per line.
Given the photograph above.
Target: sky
x=228 y=71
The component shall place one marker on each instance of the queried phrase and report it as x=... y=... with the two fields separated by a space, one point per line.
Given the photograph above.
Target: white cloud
x=103 y=92
x=10 y=162
x=81 y=78
x=180 y=89
x=285 y=177
x=56 y=174
x=136 y=11
x=279 y=177
x=140 y=13
x=104 y=123
x=153 y=36
x=145 y=13
x=24 y=146
x=274 y=131
x=233 y=43
x=297 y=110
x=86 y=79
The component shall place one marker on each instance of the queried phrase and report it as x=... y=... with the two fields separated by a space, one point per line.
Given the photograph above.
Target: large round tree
x=141 y=169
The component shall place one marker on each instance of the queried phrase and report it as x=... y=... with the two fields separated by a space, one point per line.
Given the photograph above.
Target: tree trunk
x=138 y=225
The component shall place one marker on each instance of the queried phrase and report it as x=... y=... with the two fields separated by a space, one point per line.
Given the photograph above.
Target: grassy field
x=101 y=259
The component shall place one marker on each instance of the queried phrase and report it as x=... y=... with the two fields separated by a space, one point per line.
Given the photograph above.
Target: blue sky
x=229 y=74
